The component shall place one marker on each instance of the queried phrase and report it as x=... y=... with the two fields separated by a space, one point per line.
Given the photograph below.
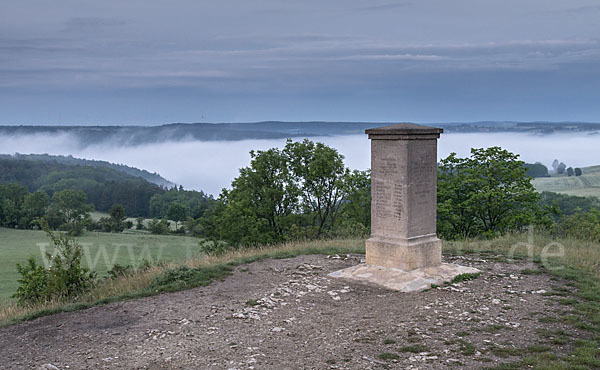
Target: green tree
x=355 y=212
x=318 y=172
x=570 y=171
x=34 y=208
x=578 y=171
x=117 y=218
x=262 y=196
x=12 y=197
x=159 y=227
x=485 y=194
x=536 y=170
x=568 y=205
x=560 y=169
x=71 y=207
x=139 y=223
x=177 y=212
x=9 y=213
x=197 y=202
x=302 y=191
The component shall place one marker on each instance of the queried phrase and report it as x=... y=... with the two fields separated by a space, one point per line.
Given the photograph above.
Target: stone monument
x=403 y=252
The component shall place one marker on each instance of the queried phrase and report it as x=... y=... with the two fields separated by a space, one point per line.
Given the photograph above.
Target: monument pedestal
x=401 y=280
x=403 y=252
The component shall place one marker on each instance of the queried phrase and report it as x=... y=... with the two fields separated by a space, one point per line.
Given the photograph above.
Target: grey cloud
x=582 y=9
x=91 y=24
x=234 y=47
x=385 y=6
x=320 y=58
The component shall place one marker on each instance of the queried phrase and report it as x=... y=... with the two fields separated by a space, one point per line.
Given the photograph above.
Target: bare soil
x=288 y=314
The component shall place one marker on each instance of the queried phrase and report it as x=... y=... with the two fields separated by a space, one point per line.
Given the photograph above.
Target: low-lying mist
x=211 y=165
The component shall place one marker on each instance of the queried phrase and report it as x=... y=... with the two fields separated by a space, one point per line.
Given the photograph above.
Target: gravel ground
x=287 y=314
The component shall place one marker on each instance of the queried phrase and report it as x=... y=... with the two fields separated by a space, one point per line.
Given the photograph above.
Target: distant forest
x=104 y=186
x=70 y=160
x=139 y=135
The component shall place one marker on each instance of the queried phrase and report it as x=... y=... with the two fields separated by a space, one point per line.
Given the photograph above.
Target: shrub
x=216 y=247
x=33 y=284
x=582 y=225
x=159 y=227
x=350 y=229
x=139 y=225
x=103 y=224
x=63 y=280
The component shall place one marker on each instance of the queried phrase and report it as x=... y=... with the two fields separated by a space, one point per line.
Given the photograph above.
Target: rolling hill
x=585 y=185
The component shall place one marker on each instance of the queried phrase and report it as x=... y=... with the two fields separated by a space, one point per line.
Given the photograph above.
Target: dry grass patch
x=172 y=277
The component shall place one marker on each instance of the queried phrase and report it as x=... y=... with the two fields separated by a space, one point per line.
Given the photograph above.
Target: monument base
x=404 y=254
x=401 y=280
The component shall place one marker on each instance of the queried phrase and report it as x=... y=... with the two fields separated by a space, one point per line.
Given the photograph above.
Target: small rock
x=48 y=367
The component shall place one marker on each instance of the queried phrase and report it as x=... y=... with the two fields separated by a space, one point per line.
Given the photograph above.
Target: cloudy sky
x=152 y=62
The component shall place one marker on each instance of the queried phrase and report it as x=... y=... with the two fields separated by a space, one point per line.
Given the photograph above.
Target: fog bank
x=211 y=165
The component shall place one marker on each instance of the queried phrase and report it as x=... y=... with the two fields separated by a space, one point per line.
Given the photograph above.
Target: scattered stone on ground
x=288 y=314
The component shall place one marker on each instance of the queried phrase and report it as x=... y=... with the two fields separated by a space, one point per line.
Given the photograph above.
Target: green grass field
x=101 y=250
x=585 y=185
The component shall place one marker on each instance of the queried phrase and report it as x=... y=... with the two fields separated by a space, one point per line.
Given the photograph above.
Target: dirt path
x=287 y=314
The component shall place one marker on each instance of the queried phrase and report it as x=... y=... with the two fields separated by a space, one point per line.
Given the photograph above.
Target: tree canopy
x=486 y=193
x=296 y=192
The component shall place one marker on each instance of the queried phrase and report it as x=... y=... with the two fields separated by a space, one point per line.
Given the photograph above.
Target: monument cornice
x=404 y=131
x=419 y=136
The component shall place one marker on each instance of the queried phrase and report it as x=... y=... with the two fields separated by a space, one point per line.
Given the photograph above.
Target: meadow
x=585 y=185
x=102 y=251
x=574 y=262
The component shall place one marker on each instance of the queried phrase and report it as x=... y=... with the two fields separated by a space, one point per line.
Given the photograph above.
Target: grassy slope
x=18 y=245
x=579 y=266
x=587 y=184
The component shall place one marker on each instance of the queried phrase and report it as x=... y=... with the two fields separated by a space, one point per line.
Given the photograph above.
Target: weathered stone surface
x=403 y=252
x=401 y=280
x=403 y=187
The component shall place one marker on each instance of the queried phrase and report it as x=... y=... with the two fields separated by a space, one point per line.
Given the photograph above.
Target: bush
x=536 y=170
x=194 y=227
x=103 y=224
x=216 y=247
x=350 y=229
x=582 y=225
x=159 y=227
x=33 y=284
x=185 y=277
x=63 y=280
